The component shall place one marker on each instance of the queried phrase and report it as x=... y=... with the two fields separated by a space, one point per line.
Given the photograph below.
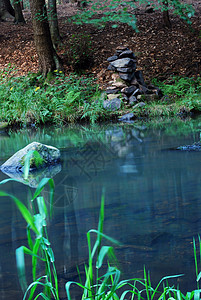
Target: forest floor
x=160 y=51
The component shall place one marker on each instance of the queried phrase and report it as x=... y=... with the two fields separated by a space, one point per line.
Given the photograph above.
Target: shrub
x=80 y=53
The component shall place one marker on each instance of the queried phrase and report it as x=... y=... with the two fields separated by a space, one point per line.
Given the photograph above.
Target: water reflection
x=34 y=176
x=153 y=199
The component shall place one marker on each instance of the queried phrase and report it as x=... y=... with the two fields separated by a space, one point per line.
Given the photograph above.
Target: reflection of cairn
x=127 y=84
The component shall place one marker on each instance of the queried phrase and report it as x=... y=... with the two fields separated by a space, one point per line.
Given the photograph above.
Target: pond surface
x=152 y=199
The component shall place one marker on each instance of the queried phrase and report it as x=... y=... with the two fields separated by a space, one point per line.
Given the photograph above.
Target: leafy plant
x=118 y=11
x=35 y=160
x=39 y=248
x=32 y=99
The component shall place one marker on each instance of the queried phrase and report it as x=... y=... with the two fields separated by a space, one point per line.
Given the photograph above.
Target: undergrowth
x=61 y=99
x=32 y=99
x=182 y=97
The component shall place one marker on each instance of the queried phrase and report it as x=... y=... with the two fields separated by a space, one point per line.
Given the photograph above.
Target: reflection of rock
x=48 y=154
x=194 y=147
x=35 y=176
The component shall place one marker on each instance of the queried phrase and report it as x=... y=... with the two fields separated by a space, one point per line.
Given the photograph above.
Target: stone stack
x=127 y=83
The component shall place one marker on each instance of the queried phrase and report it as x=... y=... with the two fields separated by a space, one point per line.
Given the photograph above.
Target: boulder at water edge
x=48 y=156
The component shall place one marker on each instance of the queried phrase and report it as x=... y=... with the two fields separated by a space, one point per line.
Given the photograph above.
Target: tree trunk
x=6 y=9
x=19 y=18
x=48 y=59
x=53 y=22
x=166 y=17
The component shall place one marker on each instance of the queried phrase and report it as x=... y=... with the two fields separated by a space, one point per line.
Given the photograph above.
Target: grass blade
x=24 y=211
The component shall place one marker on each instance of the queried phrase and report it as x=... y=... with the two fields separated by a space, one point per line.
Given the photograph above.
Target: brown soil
x=160 y=51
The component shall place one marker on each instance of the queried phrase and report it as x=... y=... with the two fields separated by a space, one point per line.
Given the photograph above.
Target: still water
x=152 y=199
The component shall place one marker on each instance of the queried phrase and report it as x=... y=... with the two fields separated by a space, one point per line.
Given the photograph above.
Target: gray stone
x=143 y=89
x=141 y=104
x=126 y=70
x=139 y=77
x=119 y=84
x=134 y=82
x=132 y=99
x=125 y=98
x=120 y=49
x=113 y=104
x=126 y=76
x=126 y=117
x=128 y=90
x=136 y=92
x=123 y=63
x=193 y=147
x=127 y=53
x=112 y=58
x=112 y=90
x=50 y=155
x=111 y=96
x=111 y=68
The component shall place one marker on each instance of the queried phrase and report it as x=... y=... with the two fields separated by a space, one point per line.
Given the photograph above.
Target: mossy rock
x=46 y=155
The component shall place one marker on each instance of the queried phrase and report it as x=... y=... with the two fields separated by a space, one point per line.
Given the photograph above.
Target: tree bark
x=47 y=56
x=19 y=18
x=53 y=22
x=6 y=10
x=166 y=17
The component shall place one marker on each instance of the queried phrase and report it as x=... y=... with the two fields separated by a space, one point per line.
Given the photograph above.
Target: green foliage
x=39 y=248
x=80 y=51
x=184 y=10
x=182 y=96
x=35 y=160
x=118 y=11
x=58 y=99
x=101 y=12
x=180 y=86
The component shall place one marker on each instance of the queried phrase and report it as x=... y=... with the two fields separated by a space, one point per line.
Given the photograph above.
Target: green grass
x=58 y=99
x=182 y=96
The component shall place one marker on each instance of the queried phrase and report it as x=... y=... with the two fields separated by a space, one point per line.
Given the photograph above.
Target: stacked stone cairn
x=127 y=83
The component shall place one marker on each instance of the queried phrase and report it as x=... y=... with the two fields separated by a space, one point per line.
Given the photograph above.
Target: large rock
x=113 y=104
x=123 y=63
x=48 y=156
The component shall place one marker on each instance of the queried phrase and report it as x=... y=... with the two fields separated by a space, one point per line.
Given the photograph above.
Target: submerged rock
x=47 y=155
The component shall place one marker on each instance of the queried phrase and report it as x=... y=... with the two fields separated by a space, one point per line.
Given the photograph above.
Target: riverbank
x=161 y=54
x=31 y=100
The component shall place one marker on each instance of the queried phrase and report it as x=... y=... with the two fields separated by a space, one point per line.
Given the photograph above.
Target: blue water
x=152 y=199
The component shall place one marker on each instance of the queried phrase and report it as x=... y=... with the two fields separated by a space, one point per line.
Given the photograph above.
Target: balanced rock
x=128 y=83
x=126 y=76
x=48 y=155
x=123 y=63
